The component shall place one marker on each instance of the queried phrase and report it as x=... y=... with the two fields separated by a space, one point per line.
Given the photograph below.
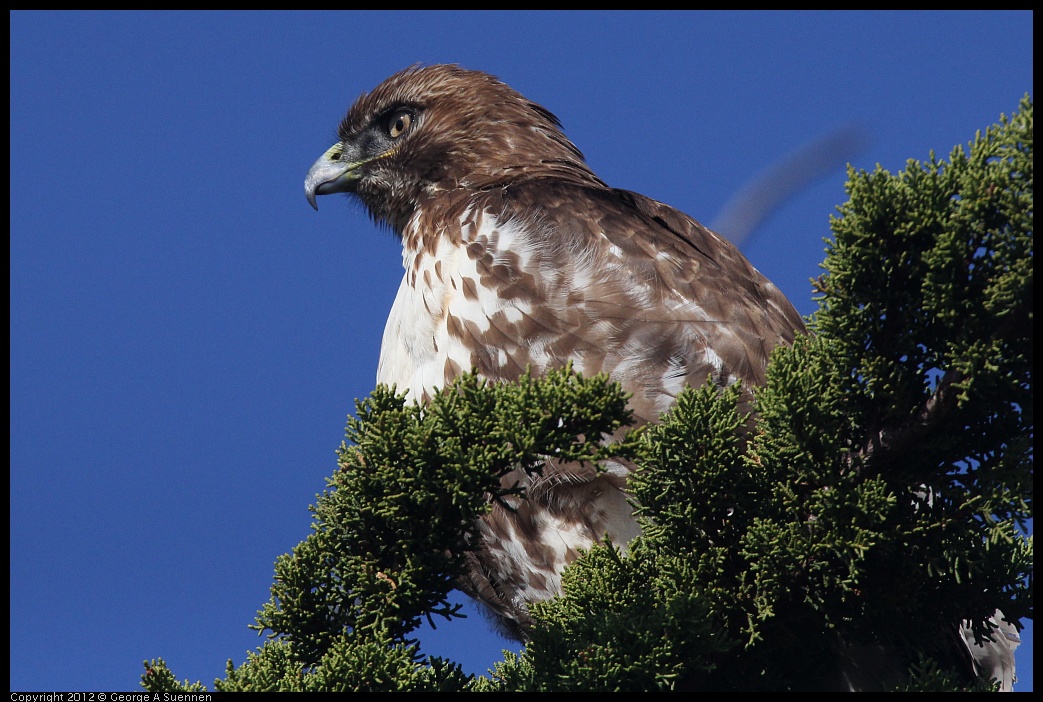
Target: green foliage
x=391 y=532
x=645 y=620
x=159 y=678
x=878 y=497
x=927 y=676
x=928 y=301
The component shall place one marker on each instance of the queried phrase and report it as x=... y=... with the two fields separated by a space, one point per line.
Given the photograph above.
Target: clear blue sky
x=188 y=336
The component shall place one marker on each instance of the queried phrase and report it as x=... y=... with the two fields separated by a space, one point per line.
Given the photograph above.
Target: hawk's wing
x=614 y=282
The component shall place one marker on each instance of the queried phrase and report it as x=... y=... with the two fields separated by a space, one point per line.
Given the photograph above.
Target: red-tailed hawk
x=517 y=255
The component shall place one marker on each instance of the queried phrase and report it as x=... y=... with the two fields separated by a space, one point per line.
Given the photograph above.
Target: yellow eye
x=399 y=123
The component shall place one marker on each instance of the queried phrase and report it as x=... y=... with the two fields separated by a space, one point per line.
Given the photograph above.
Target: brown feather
x=518 y=256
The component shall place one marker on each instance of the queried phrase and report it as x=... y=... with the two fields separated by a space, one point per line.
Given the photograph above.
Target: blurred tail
x=755 y=202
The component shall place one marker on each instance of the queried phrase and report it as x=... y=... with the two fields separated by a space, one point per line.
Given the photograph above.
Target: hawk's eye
x=399 y=123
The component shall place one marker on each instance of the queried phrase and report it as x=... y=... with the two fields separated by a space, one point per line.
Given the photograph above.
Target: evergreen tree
x=880 y=497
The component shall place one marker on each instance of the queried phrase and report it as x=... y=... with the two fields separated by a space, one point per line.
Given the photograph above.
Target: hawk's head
x=436 y=128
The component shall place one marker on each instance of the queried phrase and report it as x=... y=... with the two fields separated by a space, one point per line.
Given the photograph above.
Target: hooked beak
x=332 y=173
